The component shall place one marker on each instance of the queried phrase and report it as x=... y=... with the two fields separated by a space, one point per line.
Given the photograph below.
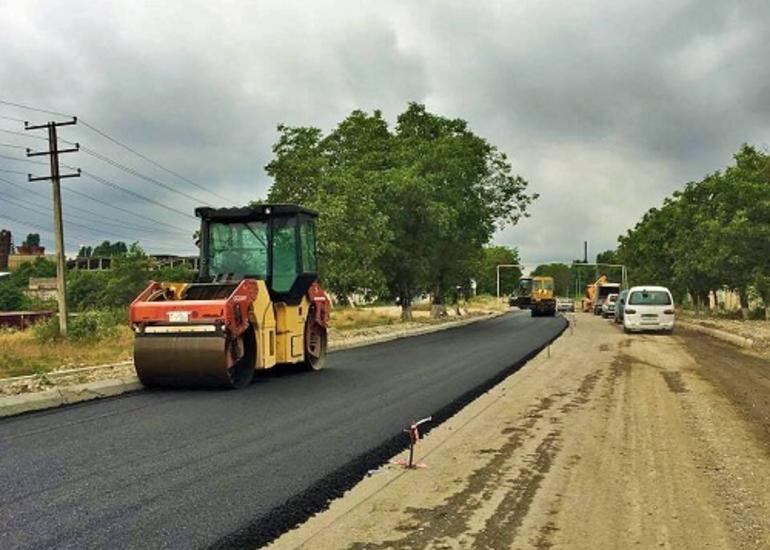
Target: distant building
x=43 y=288
x=15 y=260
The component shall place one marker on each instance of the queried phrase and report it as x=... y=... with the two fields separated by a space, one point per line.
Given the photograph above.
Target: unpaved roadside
x=613 y=441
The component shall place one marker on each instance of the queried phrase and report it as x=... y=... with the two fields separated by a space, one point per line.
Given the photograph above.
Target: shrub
x=46 y=331
x=11 y=298
x=93 y=326
x=89 y=326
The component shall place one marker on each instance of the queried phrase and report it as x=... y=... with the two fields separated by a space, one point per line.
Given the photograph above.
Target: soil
x=605 y=441
x=758 y=331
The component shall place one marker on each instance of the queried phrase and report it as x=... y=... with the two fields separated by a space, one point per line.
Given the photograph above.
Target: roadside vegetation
x=712 y=235
x=100 y=337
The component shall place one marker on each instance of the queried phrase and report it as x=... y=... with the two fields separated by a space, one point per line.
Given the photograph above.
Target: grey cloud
x=604 y=108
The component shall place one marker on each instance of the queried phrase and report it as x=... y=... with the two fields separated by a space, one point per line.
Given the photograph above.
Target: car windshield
x=613 y=298
x=649 y=298
x=238 y=248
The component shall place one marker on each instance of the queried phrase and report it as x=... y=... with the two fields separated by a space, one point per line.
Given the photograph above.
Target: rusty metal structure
x=5 y=248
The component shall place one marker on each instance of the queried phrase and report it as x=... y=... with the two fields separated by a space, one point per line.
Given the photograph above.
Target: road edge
x=740 y=341
x=14 y=405
x=318 y=497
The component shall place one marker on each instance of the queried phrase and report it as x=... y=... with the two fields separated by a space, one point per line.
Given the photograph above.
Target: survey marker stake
x=414 y=435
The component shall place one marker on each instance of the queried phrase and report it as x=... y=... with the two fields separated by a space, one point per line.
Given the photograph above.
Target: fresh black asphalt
x=190 y=469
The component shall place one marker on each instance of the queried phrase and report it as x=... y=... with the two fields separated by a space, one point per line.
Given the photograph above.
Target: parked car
x=608 y=306
x=620 y=305
x=565 y=304
x=649 y=308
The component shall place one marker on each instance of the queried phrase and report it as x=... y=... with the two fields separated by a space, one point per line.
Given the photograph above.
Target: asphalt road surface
x=190 y=469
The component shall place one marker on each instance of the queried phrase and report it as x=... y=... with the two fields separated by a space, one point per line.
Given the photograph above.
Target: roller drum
x=183 y=361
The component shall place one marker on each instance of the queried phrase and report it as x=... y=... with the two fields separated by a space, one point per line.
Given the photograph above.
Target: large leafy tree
x=465 y=188
x=405 y=211
x=340 y=176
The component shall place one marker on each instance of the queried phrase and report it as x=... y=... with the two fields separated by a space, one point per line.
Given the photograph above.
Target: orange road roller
x=256 y=302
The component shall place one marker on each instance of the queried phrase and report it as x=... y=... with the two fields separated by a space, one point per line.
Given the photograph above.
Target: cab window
x=307 y=239
x=284 y=254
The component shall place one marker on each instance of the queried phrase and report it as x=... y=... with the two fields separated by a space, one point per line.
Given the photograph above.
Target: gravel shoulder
x=609 y=441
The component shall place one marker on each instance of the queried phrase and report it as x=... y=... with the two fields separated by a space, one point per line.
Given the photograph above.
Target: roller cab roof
x=257 y=212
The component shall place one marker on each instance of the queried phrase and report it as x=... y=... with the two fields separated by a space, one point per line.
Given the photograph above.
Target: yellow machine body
x=543 y=297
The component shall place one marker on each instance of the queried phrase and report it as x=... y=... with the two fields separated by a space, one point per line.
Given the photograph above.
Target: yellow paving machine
x=543 y=301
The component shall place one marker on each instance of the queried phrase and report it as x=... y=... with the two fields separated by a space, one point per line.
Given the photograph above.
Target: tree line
x=713 y=234
x=405 y=211
x=130 y=273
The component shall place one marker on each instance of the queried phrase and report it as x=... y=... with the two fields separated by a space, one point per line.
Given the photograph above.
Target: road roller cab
x=256 y=302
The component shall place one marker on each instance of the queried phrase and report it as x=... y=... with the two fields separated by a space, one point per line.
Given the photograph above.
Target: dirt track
x=614 y=441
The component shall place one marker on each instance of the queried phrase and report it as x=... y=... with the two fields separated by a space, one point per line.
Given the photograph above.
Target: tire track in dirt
x=511 y=489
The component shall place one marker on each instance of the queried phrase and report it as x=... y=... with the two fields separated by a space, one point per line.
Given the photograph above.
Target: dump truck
x=597 y=292
x=602 y=293
x=256 y=303
x=543 y=299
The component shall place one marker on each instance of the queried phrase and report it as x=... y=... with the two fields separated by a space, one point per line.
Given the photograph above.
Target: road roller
x=256 y=302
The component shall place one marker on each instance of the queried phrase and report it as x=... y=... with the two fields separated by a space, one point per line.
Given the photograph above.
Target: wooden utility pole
x=58 y=225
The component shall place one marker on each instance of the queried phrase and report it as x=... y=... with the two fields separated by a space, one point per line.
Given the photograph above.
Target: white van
x=648 y=308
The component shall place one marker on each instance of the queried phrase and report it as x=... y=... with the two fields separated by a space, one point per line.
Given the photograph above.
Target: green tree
x=127 y=278
x=85 y=289
x=39 y=268
x=108 y=249
x=33 y=239
x=404 y=211
x=452 y=190
x=338 y=176
x=486 y=270
x=11 y=298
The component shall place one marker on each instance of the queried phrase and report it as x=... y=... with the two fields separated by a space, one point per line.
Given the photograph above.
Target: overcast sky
x=604 y=107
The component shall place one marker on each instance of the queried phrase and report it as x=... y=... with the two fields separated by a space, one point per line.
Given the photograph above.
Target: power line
x=24 y=160
x=14 y=119
x=109 y=183
x=154 y=163
x=20 y=106
x=133 y=172
x=13 y=172
x=86 y=196
x=124 y=146
x=22 y=134
x=134 y=193
x=134 y=214
x=32 y=207
x=84 y=210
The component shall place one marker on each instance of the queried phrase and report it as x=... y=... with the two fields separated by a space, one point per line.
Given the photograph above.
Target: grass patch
x=23 y=353
x=351 y=318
